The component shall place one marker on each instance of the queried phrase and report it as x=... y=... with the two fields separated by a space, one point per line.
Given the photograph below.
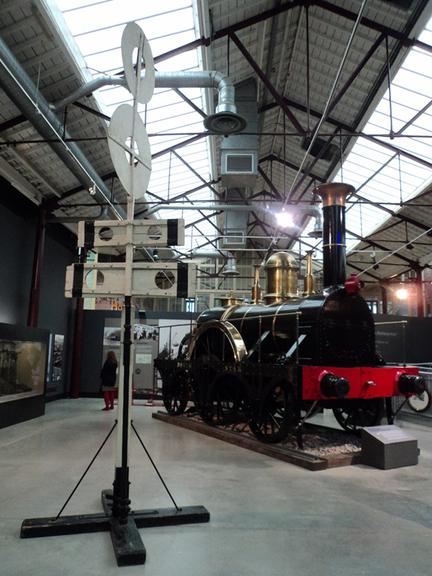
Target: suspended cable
x=325 y=112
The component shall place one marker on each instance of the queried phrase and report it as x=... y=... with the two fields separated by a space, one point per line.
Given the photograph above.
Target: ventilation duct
x=235 y=220
x=225 y=120
x=239 y=152
x=230 y=268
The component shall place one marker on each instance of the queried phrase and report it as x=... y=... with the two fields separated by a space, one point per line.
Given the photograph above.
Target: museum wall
x=56 y=313
x=17 y=230
x=18 y=222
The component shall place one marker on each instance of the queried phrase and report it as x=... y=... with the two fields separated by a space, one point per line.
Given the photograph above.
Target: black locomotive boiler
x=273 y=364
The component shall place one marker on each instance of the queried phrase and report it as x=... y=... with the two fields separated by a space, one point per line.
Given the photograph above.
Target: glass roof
x=380 y=174
x=97 y=27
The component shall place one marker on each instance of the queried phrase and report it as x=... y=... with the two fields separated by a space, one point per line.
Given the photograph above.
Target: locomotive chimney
x=334 y=197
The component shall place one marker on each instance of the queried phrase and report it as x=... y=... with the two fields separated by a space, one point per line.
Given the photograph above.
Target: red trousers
x=109 y=399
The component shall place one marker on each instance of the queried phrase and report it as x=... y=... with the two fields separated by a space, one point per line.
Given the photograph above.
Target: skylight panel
x=402 y=178
x=116 y=13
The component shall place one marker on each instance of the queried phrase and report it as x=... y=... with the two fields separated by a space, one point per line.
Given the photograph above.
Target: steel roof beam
x=212 y=242
x=8 y=124
x=373 y=24
x=51 y=204
x=265 y=14
x=196 y=173
x=414 y=118
x=376 y=278
x=265 y=80
x=91 y=111
x=276 y=193
x=392 y=213
x=307 y=171
x=206 y=184
x=274 y=158
x=345 y=127
x=202 y=219
x=182 y=195
x=354 y=75
x=384 y=228
x=411 y=263
x=189 y=101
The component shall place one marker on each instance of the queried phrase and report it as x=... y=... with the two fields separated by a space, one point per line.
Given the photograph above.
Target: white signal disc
x=132 y=39
x=134 y=175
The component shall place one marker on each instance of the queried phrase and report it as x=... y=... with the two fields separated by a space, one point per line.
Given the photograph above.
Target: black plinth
x=128 y=546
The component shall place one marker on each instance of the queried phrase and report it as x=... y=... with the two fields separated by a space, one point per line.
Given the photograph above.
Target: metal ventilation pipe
x=231 y=263
x=24 y=94
x=211 y=207
x=314 y=211
x=225 y=120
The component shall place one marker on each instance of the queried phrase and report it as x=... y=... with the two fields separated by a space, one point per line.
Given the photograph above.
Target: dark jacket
x=108 y=373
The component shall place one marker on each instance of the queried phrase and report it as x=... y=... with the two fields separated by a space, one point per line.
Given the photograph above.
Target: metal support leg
x=299 y=427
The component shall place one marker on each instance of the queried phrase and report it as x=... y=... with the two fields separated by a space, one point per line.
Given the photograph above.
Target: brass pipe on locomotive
x=231 y=299
x=309 y=280
x=256 y=288
x=281 y=269
x=334 y=245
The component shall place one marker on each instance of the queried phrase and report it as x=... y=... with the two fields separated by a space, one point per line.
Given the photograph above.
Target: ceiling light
x=401 y=293
x=284 y=219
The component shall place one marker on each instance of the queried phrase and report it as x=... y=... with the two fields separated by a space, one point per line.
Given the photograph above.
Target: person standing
x=108 y=379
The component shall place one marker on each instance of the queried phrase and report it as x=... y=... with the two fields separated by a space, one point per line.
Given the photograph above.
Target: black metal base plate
x=37 y=527
x=128 y=546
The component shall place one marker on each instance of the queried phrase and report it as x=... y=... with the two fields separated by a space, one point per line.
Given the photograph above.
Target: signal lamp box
x=388 y=447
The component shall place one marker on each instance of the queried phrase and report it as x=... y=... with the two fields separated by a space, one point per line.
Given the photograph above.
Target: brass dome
x=282 y=278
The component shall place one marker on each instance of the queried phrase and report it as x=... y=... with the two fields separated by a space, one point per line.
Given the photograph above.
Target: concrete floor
x=267 y=517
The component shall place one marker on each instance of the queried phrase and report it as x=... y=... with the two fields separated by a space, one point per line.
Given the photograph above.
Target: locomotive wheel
x=359 y=414
x=275 y=413
x=213 y=346
x=175 y=392
x=225 y=402
x=205 y=369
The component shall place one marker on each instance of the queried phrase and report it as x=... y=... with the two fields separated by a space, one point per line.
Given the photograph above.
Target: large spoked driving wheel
x=275 y=413
x=357 y=414
x=175 y=391
x=214 y=347
x=225 y=402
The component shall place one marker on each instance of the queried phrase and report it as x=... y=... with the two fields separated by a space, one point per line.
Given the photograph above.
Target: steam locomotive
x=273 y=364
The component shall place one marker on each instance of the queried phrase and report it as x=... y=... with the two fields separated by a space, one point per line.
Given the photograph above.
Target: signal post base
x=127 y=543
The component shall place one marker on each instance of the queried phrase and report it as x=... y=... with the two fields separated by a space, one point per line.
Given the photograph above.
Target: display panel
x=22 y=369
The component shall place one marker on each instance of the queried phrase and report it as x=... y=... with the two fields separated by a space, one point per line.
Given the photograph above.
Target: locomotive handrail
x=279 y=315
x=392 y=322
